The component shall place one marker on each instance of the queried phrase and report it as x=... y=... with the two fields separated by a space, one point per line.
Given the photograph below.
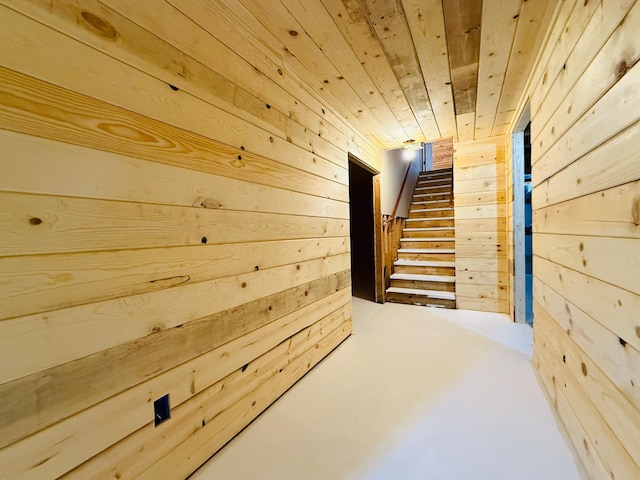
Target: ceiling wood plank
x=426 y=22
x=390 y=24
x=532 y=24
x=466 y=126
x=499 y=22
x=290 y=33
x=319 y=25
x=350 y=17
x=463 y=20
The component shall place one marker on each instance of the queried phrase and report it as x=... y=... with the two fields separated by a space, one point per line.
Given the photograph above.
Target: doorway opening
x=365 y=252
x=522 y=220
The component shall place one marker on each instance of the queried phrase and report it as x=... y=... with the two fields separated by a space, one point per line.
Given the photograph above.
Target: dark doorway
x=528 y=230
x=361 y=209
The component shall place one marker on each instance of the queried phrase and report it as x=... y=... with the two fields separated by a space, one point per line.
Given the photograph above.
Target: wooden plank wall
x=174 y=221
x=585 y=110
x=480 y=221
x=442 y=153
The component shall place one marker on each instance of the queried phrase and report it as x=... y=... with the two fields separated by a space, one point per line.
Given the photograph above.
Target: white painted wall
x=393 y=170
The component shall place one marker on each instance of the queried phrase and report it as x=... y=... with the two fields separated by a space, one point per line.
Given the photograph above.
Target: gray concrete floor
x=414 y=393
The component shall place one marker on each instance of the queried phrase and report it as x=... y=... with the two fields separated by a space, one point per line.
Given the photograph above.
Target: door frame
x=519 y=265
x=377 y=227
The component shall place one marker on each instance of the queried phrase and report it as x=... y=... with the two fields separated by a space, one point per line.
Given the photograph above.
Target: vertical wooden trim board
x=175 y=221
x=585 y=110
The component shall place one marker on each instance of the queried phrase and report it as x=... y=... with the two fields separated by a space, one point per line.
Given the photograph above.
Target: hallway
x=414 y=393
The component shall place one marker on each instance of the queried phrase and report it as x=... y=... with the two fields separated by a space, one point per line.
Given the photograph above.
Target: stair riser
x=410 y=299
x=429 y=234
x=430 y=223
x=431 y=214
x=440 y=204
x=439 y=257
x=440 y=286
x=449 y=271
x=417 y=197
x=434 y=183
x=410 y=244
x=420 y=190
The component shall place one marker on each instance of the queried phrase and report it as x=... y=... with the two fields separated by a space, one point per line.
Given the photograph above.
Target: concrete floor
x=414 y=393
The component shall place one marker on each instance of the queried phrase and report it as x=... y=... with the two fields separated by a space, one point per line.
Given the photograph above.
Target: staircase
x=424 y=273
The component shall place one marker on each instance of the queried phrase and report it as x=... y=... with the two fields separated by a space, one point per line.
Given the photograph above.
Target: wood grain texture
x=463 y=22
x=33 y=107
x=184 y=383
x=480 y=225
x=586 y=225
x=77 y=387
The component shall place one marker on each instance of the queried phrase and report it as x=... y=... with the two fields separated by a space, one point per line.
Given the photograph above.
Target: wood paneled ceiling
x=398 y=70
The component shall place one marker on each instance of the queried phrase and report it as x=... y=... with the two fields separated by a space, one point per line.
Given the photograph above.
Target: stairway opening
x=424 y=270
x=363 y=234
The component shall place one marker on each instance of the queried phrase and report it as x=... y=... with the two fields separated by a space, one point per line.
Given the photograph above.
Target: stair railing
x=395 y=208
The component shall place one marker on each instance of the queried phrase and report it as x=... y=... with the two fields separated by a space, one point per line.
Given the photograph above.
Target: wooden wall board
x=613 y=307
x=78 y=331
x=480 y=304
x=611 y=452
x=482 y=278
x=151 y=97
x=589 y=70
x=485 y=225
x=34 y=224
x=152 y=355
x=578 y=439
x=482 y=292
x=595 y=127
x=184 y=383
x=185 y=458
x=610 y=213
x=39 y=283
x=39 y=165
x=619 y=363
x=81 y=120
x=141 y=49
x=584 y=254
x=481 y=198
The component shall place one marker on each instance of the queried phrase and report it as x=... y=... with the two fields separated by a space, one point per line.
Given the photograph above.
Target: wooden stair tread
x=426 y=250
x=432 y=209
x=428 y=239
x=423 y=278
x=423 y=263
x=426 y=293
x=426 y=229
x=429 y=219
